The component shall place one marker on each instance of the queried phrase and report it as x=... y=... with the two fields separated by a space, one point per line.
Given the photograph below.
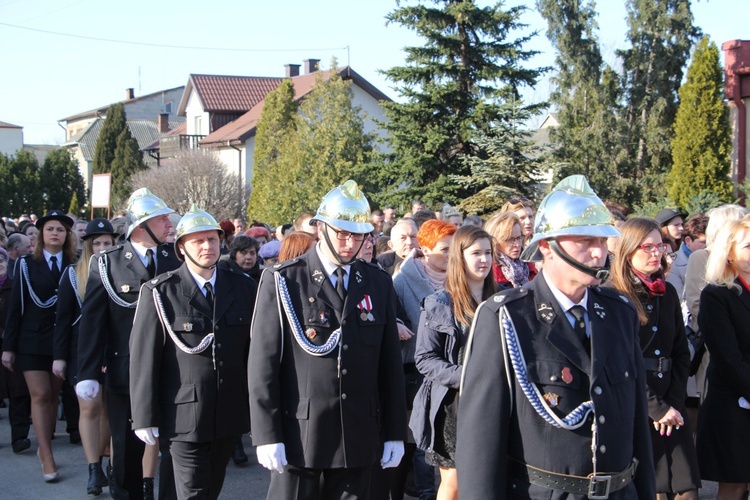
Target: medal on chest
x=365 y=309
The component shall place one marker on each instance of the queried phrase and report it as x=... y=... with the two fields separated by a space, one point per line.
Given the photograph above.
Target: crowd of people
x=564 y=352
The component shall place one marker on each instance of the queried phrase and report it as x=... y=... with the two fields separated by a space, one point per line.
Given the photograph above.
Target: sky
x=63 y=57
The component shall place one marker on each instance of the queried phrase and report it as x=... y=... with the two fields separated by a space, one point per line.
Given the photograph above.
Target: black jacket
x=105 y=325
x=497 y=423
x=328 y=415
x=192 y=397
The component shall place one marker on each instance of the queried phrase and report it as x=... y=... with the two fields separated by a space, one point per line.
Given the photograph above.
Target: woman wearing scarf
x=638 y=273
x=509 y=270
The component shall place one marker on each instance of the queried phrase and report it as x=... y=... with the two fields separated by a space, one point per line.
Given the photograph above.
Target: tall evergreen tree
x=128 y=160
x=702 y=143
x=661 y=34
x=61 y=180
x=585 y=97
x=106 y=143
x=453 y=88
x=20 y=177
x=511 y=163
x=272 y=140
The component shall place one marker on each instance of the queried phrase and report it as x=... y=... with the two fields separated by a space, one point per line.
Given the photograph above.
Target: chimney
x=129 y=94
x=162 y=122
x=292 y=70
x=311 y=65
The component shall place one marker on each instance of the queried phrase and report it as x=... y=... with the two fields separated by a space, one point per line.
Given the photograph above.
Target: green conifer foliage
x=61 y=180
x=106 y=143
x=128 y=160
x=702 y=141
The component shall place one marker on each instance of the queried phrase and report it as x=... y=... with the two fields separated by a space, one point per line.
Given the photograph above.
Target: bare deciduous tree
x=195 y=176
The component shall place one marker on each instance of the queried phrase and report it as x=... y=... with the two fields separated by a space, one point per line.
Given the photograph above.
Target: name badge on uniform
x=365 y=309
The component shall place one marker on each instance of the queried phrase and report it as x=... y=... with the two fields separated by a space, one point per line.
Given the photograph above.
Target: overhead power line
x=167 y=46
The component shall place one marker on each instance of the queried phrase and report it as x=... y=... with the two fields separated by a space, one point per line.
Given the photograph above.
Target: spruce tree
x=702 y=141
x=23 y=184
x=272 y=140
x=661 y=34
x=453 y=88
x=106 y=143
x=128 y=160
x=585 y=97
x=61 y=180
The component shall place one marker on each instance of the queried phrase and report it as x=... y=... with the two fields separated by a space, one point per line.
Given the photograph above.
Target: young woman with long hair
x=524 y=209
x=443 y=331
x=92 y=424
x=724 y=418
x=638 y=273
x=29 y=328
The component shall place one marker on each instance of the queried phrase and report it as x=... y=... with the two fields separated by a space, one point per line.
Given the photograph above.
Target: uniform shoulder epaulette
x=375 y=264
x=113 y=249
x=613 y=294
x=284 y=265
x=504 y=297
x=160 y=279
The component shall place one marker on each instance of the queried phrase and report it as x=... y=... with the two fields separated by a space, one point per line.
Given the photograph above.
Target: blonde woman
x=724 y=418
x=509 y=270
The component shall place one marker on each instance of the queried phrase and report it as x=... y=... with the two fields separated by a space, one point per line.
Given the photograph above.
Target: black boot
x=96 y=476
x=148 y=488
x=238 y=454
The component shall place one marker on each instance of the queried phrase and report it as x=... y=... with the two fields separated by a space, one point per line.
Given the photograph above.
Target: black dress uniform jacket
x=327 y=415
x=31 y=331
x=68 y=312
x=192 y=397
x=497 y=424
x=105 y=326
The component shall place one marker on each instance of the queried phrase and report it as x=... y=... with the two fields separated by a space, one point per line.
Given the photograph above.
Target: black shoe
x=75 y=437
x=148 y=488
x=238 y=454
x=102 y=480
x=111 y=480
x=96 y=476
x=20 y=445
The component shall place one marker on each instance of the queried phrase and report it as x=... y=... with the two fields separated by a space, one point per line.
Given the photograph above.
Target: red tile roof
x=244 y=126
x=230 y=93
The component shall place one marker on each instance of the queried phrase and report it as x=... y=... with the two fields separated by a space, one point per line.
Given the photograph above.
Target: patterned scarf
x=656 y=287
x=515 y=271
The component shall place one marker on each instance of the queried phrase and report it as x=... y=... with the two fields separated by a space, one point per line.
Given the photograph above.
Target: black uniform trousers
x=199 y=468
x=19 y=416
x=320 y=484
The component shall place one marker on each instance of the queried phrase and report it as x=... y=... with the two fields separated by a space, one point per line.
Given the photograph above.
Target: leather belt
x=596 y=487
x=658 y=365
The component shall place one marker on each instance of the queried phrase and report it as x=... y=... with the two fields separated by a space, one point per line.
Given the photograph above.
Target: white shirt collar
x=563 y=300
x=201 y=281
x=47 y=255
x=141 y=251
x=329 y=266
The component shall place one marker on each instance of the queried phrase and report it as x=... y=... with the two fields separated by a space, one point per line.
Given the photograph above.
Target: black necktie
x=340 y=288
x=209 y=293
x=55 y=270
x=579 y=326
x=150 y=264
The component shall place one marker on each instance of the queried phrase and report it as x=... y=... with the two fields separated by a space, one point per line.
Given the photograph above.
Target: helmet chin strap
x=600 y=273
x=335 y=253
x=183 y=250
x=151 y=233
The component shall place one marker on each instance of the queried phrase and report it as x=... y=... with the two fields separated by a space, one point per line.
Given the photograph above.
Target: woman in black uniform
x=29 y=326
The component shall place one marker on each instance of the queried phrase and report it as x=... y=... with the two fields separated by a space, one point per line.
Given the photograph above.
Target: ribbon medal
x=552 y=399
x=365 y=308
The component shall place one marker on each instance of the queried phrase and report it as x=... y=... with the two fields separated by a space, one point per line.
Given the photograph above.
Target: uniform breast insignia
x=125 y=288
x=546 y=312
x=358 y=276
x=599 y=310
x=311 y=299
x=164 y=253
x=128 y=255
x=323 y=317
x=310 y=333
x=552 y=399
x=318 y=277
x=188 y=327
x=567 y=375
x=365 y=308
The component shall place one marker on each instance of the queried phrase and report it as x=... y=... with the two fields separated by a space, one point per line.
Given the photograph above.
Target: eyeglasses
x=345 y=235
x=516 y=201
x=651 y=248
x=518 y=240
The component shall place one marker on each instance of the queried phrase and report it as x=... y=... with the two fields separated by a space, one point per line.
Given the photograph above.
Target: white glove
x=148 y=435
x=393 y=452
x=272 y=456
x=87 y=389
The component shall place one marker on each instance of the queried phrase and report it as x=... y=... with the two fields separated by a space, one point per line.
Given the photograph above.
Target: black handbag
x=699 y=347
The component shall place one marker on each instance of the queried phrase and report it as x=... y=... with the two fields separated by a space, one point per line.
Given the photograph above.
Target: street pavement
x=21 y=475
